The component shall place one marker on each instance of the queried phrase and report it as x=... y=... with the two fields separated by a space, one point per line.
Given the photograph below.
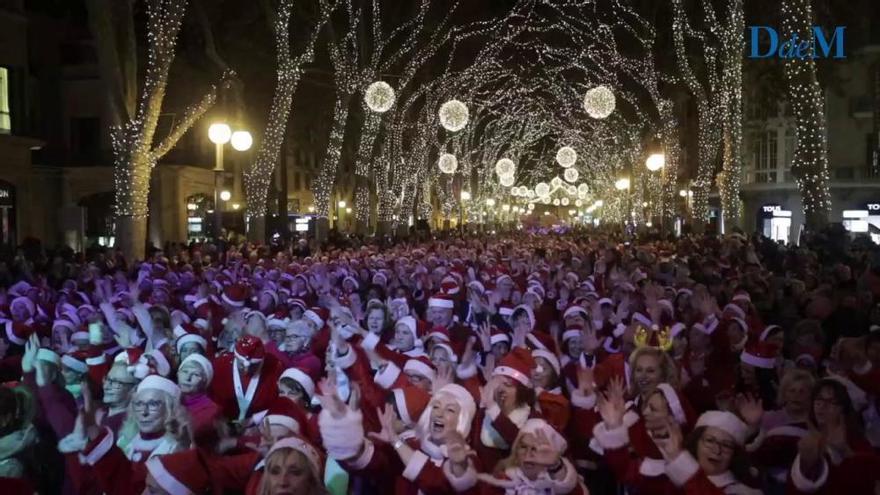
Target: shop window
x=5 y=117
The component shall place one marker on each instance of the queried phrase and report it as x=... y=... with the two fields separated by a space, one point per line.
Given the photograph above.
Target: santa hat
x=202 y=361
x=534 y=426
x=438 y=333
x=422 y=366
x=681 y=411
x=76 y=361
x=79 y=335
x=441 y=300
x=858 y=396
x=571 y=332
x=315 y=458
x=287 y=413
x=735 y=310
x=517 y=364
x=180 y=473
x=129 y=356
x=48 y=356
x=467 y=406
x=498 y=335
x=769 y=330
x=760 y=354
x=302 y=377
x=68 y=325
x=163 y=367
x=235 y=295
x=676 y=329
x=505 y=309
x=410 y=403
x=574 y=310
x=162 y=384
x=31 y=308
x=742 y=296
x=250 y=350
x=606 y=301
x=549 y=357
x=190 y=337
x=529 y=313
x=727 y=422
x=353 y=281
x=533 y=290
x=476 y=286
x=297 y=302
x=20 y=288
x=449 y=286
x=410 y=324
x=318 y=316
x=541 y=340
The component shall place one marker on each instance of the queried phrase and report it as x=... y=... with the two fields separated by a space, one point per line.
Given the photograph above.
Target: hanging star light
x=453 y=115
x=506 y=180
x=447 y=163
x=505 y=167
x=599 y=102
x=566 y=156
x=542 y=189
x=571 y=175
x=379 y=97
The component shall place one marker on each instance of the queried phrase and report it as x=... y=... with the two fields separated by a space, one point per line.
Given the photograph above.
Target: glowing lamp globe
x=556 y=202
x=241 y=140
x=556 y=182
x=453 y=115
x=447 y=163
x=566 y=156
x=542 y=189
x=505 y=166
x=379 y=97
x=219 y=133
x=506 y=180
x=225 y=196
x=571 y=175
x=655 y=162
x=599 y=102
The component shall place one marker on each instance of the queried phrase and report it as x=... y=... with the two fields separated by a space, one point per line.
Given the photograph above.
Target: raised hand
x=484 y=333
x=612 y=405
x=670 y=446
x=386 y=421
x=586 y=381
x=457 y=449
x=544 y=454
x=750 y=409
x=487 y=393
x=444 y=377
x=589 y=338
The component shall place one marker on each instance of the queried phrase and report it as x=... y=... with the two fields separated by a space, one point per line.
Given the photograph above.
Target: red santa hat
x=518 y=365
x=574 y=310
x=202 y=361
x=163 y=367
x=160 y=383
x=760 y=354
x=421 y=365
x=549 y=357
x=769 y=330
x=68 y=325
x=129 y=356
x=303 y=377
x=235 y=295
x=180 y=473
x=318 y=316
x=681 y=411
x=498 y=335
x=572 y=331
x=534 y=426
x=410 y=403
x=76 y=360
x=505 y=309
x=48 y=356
x=28 y=304
x=438 y=333
x=441 y=300
x=541 y=340
x=449 y=286
x=250 y=350
x=287 y=413
x=312 y=455
x=734 y=311
x=725 y=421
x=742 y=296
x=190 y=334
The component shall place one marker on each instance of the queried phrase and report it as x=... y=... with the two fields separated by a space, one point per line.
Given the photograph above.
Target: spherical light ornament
x=505 y=166
x=655 y=162
x=447 y=163
x=531 y=206
x=453 y=115
x=599 y=102
x=530 y=193
x=582 y=195
x=556 y=182
x=556 y=202
x=583 y=189
x=578 y=203
x=506 y=180
x=545 y=200
x=571 y=190
x=571 y=175
x=241 y=140
x=564 y=201
x=379 y=97
x=542 y=189
x=566 y=156
x=219 y=133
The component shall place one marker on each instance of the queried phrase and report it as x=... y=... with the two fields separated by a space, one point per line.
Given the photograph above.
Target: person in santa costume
x=245 y=382
x=436 y=460
x=194 y=376
x=536 y=465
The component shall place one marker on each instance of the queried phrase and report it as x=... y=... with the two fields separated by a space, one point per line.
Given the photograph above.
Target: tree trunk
x=327 y=178
x=131 y=237
x=322 y=228
x=257 y=229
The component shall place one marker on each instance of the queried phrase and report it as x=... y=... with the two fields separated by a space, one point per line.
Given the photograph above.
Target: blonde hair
x=178 y=424
x=789 y=378
x=668 y=368
x=282 y=455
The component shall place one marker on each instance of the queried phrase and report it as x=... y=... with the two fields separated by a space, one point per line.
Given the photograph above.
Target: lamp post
x=340 y=207
x=465 y=196
x=622 y=184
x=655 y=162
x=220 y=133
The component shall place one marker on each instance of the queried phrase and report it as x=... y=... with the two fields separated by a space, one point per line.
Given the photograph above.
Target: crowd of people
x=579 y=363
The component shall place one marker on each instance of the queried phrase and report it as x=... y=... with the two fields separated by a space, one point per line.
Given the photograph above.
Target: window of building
x=296 y=181
x=790 y=140
x=764 y=150
x=5 y=117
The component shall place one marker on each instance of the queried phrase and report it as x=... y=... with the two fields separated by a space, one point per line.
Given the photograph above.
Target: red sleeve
x=624 y=465
x=116 y=474
x=59 y=408
x=231 y=473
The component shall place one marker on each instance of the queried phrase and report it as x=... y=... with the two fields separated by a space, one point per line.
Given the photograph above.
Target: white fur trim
x=570 y=334
x=440 y=303
x=682 y=468
x=99 y=451
x=15 y=339
x=574 y=309
x=619 y=330
x=465 y=482
x=499 y=337
x=787 y=430
x=304 y=380
x=505 y=311
x=804 y=484
x=612 y=439
x=863 y=369
x=155 y=382
x=726 y=421
x=578 y=399
x=415 y=465
x=347 y=360
x=165 y=479
x=49 y=356
x=366 y=455
x=285 y=421
x=630 y=418
x=493 y=411
x=237 y=304
x=400 y=401
x=550 y=357
x=417 y=366
x=742 y=297
x=370 y=341
x=343 y=437
x=387 y=376
x=652 y=467
x=72 y=443
x=644 y=320
x=465 y=371
x=191 y=337
x=568 y=482
x=674 y=403
x=756 y=442
x=98 y=360
x=74 y=364
x=512 y=373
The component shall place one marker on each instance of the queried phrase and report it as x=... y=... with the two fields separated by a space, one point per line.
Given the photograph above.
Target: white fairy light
x=447 y=163
x=453 y=115
x=599 y=102
x=564 y=201
x=566 y=156
x=556 y=182
x=379 y=97
x=556 y=202
x=583 y=189
x=571 y=175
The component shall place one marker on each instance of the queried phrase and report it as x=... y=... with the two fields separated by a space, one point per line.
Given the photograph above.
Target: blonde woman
x=292 y=467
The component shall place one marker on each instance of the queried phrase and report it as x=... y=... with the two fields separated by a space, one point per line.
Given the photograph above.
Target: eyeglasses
x=112 y=383
x=150 y=405
x=718 y=445
x=822 y=401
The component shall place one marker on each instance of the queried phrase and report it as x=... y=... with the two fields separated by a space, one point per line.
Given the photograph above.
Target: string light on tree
x=447 y=163
x=599 y=102
x=379 y=97
x=453 y=115
x=566 y=156
x=541 y=189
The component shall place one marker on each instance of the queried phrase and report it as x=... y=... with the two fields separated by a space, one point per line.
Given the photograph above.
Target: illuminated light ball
x=571 y=175
x=546 y=200
x=566 y=156
x=379 y=97
x=582 y=195
x=530 y=193
x=505 y=166
x=453 y=115
x=506 y=180
x=583 y=189
x=599 y=102
x=241 y=140
x=447 y=163
x=578 y=203
x=531 y=206
x=556 y=182
x=542 y=189
x=556 y=202
x=564 y=201
x=571 y=190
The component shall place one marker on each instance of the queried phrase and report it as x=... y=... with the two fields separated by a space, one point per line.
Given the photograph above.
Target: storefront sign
x=873 y=206
x=771 y=208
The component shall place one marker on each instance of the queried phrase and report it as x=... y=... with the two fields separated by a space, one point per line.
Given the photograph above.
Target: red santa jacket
x=222 y=389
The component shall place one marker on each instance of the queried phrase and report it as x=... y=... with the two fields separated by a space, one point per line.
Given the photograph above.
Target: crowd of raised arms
x=516 y=363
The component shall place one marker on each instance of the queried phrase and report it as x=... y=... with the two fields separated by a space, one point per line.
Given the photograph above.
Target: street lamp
x=241 y=140
x=655 y=162
x=225 y=196
x=220 y=133
x=340 y=207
